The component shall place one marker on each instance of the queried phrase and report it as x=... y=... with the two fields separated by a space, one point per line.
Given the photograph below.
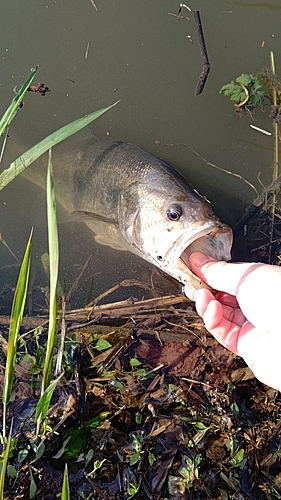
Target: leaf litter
x=150 y=407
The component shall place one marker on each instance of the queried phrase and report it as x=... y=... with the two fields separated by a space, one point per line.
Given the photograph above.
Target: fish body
x=135 y=201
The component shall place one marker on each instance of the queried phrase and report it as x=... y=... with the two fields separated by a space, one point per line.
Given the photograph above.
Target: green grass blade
x=65 y=493
x=54 y=265
x=33 y=153
x=44 y=402
x=10 y=112
x=5 y=463
x=15 y=323
x=46 y=266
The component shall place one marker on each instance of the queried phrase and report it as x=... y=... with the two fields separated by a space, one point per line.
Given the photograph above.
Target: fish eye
x=174 y=212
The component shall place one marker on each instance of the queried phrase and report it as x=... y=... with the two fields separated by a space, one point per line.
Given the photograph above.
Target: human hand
x=245 y=314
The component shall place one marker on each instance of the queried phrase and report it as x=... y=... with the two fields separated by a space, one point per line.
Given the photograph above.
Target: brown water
x=136 y=52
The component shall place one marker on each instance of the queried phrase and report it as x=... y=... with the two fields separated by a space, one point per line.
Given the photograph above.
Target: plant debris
x=153 y=408
x=41 y=88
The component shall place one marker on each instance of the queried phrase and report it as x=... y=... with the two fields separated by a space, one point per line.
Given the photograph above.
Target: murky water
x=134 y=51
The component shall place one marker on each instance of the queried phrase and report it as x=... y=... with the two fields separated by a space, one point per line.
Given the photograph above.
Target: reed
x=15 y=323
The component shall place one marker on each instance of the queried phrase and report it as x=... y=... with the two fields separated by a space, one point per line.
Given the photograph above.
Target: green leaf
x=80 y=437
x=101 y=345
x=4 y=464
x=11 y=471
x=10 y=112
x=65 y=492
x=238 y=458
x=138 y=418
x=235 y=409
x=116 y=384
x=44 y=402
x=134 y=362
x=15 y=323
x=32 y=487
x=88 y=457
x=22 y=455
x=151 y=458
x=39 y=451
x=245 y=79
x=135 y=457
x=36 y=151
x=54 y=267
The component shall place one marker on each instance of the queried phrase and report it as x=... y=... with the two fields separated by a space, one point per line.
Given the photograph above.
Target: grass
x=27 y=158
x=54 y=268
x=16 y=102
x=18 y=306
x=15 y=323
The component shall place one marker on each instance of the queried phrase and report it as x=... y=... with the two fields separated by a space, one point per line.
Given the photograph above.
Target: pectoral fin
x=85 y=216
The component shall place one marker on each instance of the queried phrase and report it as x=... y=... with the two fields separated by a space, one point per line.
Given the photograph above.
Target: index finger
x=223 y=276
x=256 y=286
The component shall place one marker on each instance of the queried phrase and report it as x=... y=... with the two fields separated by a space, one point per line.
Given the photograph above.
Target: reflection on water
x=136 y=52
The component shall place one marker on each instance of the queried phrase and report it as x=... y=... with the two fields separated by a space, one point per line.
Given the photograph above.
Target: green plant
x=190 y=469
x=27 y=158
x=15 y=322
x=137 y=440
x=247 y=92
x=54 y=267
x=16 y=102
x=8 y=446
x=65 y=492
x=134 y=486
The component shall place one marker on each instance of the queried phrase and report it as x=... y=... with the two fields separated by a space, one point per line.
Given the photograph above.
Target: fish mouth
x=214 y=240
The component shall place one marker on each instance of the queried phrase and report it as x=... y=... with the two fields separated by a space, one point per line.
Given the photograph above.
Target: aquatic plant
x=27 y=158
x=247 y=92
x=19 y=300
x=54 y=268
x=16 y=102
x=15 y=323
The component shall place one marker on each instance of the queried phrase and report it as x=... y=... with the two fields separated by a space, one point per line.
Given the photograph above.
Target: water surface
x=134 y=51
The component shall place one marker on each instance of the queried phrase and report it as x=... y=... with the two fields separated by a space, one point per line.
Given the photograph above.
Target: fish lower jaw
x=214 y=241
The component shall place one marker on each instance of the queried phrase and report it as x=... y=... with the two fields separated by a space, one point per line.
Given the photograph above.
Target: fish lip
x=185 y=241
x=178 y=267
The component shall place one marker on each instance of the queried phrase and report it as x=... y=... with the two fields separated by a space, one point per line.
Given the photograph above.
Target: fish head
x=165 y=221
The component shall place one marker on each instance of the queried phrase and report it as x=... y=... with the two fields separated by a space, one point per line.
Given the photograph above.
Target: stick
x=276 y=158
x=206 y=63
x=124 y=308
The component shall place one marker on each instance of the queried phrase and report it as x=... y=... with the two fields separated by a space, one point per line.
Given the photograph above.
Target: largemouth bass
x=134 y=201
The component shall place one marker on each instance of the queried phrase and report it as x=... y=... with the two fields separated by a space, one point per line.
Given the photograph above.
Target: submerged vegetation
x=144 y=404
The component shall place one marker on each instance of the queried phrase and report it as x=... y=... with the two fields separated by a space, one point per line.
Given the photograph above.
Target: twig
x=125 y=308
x=87 y=50
x=124 y=283
x=273 y=189
x=94 y=5
x=276 y=158
x=210 y=164
x=206 y=63
x=76 y=282
x=178 y=14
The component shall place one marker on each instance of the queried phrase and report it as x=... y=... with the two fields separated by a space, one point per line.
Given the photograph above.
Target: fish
x=133 y=201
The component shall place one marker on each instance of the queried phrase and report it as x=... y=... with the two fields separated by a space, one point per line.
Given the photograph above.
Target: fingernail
x=198 y=259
